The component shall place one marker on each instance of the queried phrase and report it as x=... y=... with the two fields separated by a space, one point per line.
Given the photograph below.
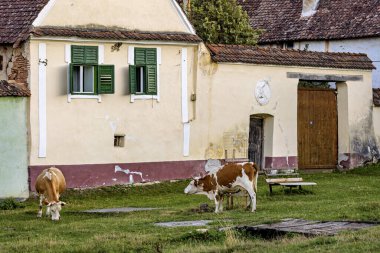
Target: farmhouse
x=134 y=95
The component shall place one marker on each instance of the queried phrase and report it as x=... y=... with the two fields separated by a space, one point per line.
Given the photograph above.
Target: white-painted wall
x=369 y=46
x=318 y=46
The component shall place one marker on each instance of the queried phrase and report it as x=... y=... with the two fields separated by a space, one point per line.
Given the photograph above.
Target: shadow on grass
x=286 y=192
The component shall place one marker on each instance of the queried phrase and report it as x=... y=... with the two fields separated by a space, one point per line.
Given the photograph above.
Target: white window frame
x=141 y=84
x=131 y=61
x=81 y=81
x=68 y=61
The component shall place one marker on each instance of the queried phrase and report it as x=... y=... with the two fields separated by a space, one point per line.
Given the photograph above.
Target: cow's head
x=55 y=208
x=196 y=185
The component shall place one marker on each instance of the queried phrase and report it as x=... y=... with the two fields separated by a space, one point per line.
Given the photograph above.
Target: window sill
x=144 y=97
x=70 y=97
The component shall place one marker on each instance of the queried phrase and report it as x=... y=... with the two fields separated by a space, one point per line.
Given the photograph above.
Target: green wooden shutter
x=77 y=54
x=140 y=56
x=71 y=81
x=151 y=79
x=91 y=55
x=151 y=56
x=84 y=54
x=106 y=79
x=132 y=79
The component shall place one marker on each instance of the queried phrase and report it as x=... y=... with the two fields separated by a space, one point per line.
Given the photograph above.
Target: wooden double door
x=317 y=129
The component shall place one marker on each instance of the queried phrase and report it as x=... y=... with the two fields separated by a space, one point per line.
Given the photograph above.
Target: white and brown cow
x=49 y=185
x=229 y=178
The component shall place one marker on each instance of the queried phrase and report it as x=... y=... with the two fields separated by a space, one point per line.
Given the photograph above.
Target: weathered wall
x=231 y=87
x=142 y=15
x=13 y=148
x=6 y=53
x=15 y=63
x=82 y=132
x=362 y=134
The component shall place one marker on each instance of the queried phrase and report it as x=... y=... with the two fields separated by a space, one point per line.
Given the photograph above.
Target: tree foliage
x=222 y=21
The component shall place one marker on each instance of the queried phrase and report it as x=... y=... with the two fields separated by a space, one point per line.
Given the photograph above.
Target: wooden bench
x=286 y=178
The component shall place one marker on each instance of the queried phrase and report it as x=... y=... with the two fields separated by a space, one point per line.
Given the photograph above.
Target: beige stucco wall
x=231 y=88
x=82 y=132
x=142 y=15
x=360 y=108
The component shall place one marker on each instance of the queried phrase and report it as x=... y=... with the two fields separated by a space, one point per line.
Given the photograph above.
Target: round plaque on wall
x=263 y=92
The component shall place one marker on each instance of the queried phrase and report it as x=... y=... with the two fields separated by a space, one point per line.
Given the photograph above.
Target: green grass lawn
x=353 y=196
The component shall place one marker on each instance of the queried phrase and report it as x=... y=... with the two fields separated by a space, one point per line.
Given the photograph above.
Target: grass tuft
x=10 y=204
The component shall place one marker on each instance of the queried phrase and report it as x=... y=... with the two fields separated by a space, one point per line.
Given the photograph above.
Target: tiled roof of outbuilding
x=113 y=34
x=275 y=56
x=376 y=97
x=334 y=19
x=16 y=18
x=13 y=90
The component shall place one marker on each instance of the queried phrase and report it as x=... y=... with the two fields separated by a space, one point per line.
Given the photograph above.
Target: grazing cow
x=229 y=178
x=49 y=185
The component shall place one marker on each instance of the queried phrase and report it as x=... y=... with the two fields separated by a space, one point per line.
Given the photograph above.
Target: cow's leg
x=248 y=202
x=253 y=201
x=248 y=186
x=217 y=202
x=39 y=214
x=221 y=203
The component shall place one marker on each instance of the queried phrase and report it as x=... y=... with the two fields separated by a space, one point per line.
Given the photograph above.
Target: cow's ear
x=62 y=203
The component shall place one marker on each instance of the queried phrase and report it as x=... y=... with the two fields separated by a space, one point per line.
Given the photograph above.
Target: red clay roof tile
x=16 y=18
x=113 y=34
x=13 y=90
x=275 y=56
x=334 y=19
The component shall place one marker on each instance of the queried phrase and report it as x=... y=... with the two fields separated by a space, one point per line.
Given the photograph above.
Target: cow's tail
x=48 y=175
x=255 y=176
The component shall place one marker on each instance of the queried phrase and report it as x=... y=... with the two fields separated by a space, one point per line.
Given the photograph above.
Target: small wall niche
x=119 y=140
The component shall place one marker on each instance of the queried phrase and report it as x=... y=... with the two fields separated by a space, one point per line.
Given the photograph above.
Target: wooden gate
x=317 y=129
x=256 y=136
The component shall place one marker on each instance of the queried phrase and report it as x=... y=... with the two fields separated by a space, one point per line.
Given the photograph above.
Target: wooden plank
x=283 y=175
x=283 y=180
x=307 y=227
x=298 y=184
